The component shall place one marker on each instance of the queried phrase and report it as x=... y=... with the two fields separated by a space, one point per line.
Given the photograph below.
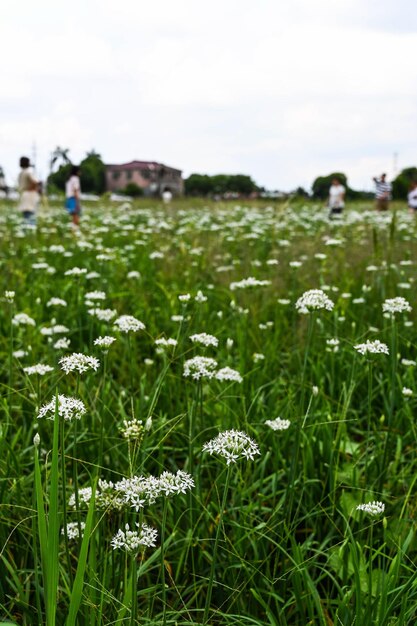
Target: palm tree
x=59 y=154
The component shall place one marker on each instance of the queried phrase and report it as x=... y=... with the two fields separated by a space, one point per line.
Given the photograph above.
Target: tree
x=220 y=184
x=322 y=184
x=401 y=184
x=93 y=173
x=59 y=154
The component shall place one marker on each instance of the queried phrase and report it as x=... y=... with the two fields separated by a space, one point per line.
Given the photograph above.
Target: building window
x=116 y=175
x=129 y=175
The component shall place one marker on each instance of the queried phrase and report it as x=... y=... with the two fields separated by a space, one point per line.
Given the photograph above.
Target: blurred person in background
x=73 y=195
x=336 y=199
x=29 y=192
x=412 y=197
x=382 y=192
x=166 y=196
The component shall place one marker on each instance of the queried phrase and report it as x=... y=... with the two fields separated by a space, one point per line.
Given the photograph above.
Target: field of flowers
x=208 y=417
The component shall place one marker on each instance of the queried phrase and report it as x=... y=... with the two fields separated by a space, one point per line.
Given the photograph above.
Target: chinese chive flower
x=228 y=374
x=132 y=540
x=128 y=323
x=39 y=368
x=278 y=424
x=396 y=305
x=373 y=508
x=68 y=408
x=104 y=342
x=313 y=300
x=200 y=367
x=372 y=347
x=73 y=530
x=205 y=339
x=232 y=445
x=21 y=319
x=78 y=362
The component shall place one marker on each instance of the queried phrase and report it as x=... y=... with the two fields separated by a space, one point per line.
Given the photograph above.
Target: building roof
x=140 y=165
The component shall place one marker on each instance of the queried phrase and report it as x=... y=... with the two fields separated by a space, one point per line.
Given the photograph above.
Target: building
x=152 y=177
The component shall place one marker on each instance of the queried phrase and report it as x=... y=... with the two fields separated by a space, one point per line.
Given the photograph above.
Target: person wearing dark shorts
x=72 y=195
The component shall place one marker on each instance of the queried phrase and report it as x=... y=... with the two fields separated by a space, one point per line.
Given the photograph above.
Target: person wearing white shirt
x=72 y=195
x=336 y=200
x=412 y=197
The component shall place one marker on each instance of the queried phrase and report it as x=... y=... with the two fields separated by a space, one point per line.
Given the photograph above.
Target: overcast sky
x=283 y=90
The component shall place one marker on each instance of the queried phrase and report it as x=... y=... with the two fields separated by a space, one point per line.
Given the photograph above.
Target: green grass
x=276 y=540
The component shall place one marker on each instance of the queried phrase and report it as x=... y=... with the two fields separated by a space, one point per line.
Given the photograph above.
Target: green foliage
x=133 y=190
x=401 y=184
x=220 y=184
x=92 y=175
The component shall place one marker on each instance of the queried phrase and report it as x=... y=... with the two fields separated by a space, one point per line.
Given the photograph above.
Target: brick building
x=153 y=177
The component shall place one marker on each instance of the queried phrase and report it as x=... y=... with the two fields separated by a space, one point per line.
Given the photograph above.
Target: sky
x=282 y=90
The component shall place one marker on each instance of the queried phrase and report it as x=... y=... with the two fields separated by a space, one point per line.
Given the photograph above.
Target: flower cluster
x=396 y=305
x=373 y=508
x=232 y=445
x=312 y=300
x=228 y=374
x=140 y=490
x=73 y=530
x=132 y=429
x=132 y=540
x=128 y=323
x=39 y=369
x=204 y=339
x=372 y=347
x=200 y=367
x=21 y=319
x=68 y=408
x=104 y=342
x=278 y=424
x=249 y=282
x=79 y=362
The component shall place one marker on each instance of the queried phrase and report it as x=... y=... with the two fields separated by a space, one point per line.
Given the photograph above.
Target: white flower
x=200 y=297
x=229 y=343
x=133 y=274
x=166 y=343
x=76 y=271
x=408 y=362
x=9 y=295
x=258 y=357
x=104 y=342
x=278 y=424
x=131 y=540
x=104 y=315
x=227 y=373
x=372 y=347
x=95 y=295
x=249 y=282
x=62 y=344
x=315 y=390
x=177 y=318
x=73 y=530
x=232 y=445
x=21 y=319
x=314 y=299
x=396 y=305
x=128 y=323
x=132 y=429
x=68 y=408
x=200 y=367
x=79 y=362
x=205 y=339
x=56 y=302
x=19 y=354
x=185 y=297
x=39 y=368
x=283 y=301
x=172 y=484
x=36 y=440
x=407 y=392
x=56 y=329
x=373 y=508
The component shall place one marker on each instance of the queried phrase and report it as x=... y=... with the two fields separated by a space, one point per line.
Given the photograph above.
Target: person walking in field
x=29 y=195
x=336 y=199
x=382 y=193
x=412 y=197
x=73 y=195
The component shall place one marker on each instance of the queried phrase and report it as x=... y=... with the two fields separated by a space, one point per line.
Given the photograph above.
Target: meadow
x=190 y=434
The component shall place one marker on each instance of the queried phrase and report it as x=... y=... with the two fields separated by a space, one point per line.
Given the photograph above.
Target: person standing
x=412 y=197
x=29 y=195
x=336 y=200
x=73 y=195
x=382 y=193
